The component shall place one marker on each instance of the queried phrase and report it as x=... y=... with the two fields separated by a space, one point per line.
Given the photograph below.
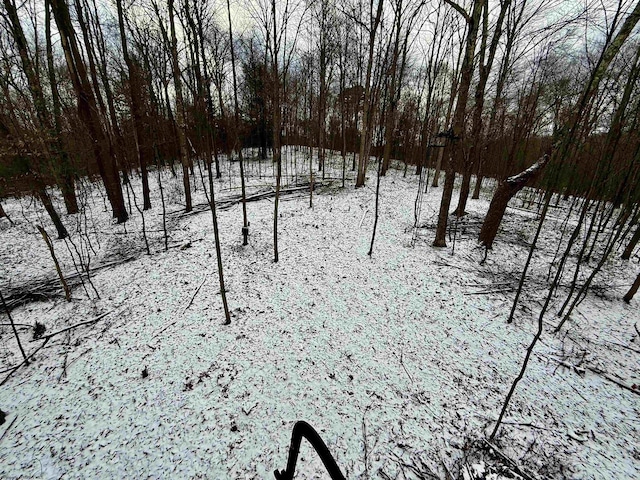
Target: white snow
x=410 y=345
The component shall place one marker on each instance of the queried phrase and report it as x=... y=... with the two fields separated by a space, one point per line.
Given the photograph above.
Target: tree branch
x=459 y=9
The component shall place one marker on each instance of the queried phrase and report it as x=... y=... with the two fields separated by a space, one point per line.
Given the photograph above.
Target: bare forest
x=385 y=239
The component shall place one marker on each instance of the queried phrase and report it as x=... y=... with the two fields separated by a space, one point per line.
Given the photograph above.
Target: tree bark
x=277 y=130
x=41 y=193
x=632 y=291
x=476 y=128
x=505 y=192
x=626 y=255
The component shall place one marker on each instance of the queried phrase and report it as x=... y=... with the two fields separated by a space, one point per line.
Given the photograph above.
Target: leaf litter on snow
x=396 y=355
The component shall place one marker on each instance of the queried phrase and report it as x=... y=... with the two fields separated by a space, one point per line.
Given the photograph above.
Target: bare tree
x=236 y=119
x=139 y=114
x=180 y=112
x=87 y=109
x=367 y=124
x=455 y=149
x=485 y=63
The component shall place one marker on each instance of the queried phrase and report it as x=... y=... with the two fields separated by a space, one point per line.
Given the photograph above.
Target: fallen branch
x=489 y=292
x=24 y=362
x=49 y=336
x=49 y=287
x=604 y=374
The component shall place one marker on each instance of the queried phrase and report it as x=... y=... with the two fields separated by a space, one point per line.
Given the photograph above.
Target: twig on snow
x=489 y=292
x=605 y=375
x=405 y=368
x=364 y=438
x=7 y=429
x=363 y=217
x=505 y=458
x=449 y=475
x=195 y=293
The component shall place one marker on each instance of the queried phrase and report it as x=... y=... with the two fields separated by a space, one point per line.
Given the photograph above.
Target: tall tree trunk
x=87 y=109
x=454 y=150
x=476 y=128
x=67 y=182
x=389 y=128
x=96 y=48
x=180 y=113
x=238 y=141
x=367 y=107
x=512 y=31
x=277 y=130
x=140 y=121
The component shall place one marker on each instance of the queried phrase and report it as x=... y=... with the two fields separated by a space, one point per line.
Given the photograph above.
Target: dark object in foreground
x=303 y=429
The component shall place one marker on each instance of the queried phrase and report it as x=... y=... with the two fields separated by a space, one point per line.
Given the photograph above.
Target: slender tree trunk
x=15 y=330
x=277 y=131
x=366 y=108
x=216 y=234
x=41 y=193
x=375 y=220
x=45 y=237
x=626 y=255
x=140 y=120
x=236 y=118
x=180 y=113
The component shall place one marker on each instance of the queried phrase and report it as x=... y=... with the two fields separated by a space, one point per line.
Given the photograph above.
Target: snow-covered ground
x=396 y=359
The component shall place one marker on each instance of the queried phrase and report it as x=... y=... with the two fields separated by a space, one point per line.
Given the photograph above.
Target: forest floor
x=400 y=360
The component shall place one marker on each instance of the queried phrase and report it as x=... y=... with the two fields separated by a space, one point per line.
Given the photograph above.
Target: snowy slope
x=406 y=352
